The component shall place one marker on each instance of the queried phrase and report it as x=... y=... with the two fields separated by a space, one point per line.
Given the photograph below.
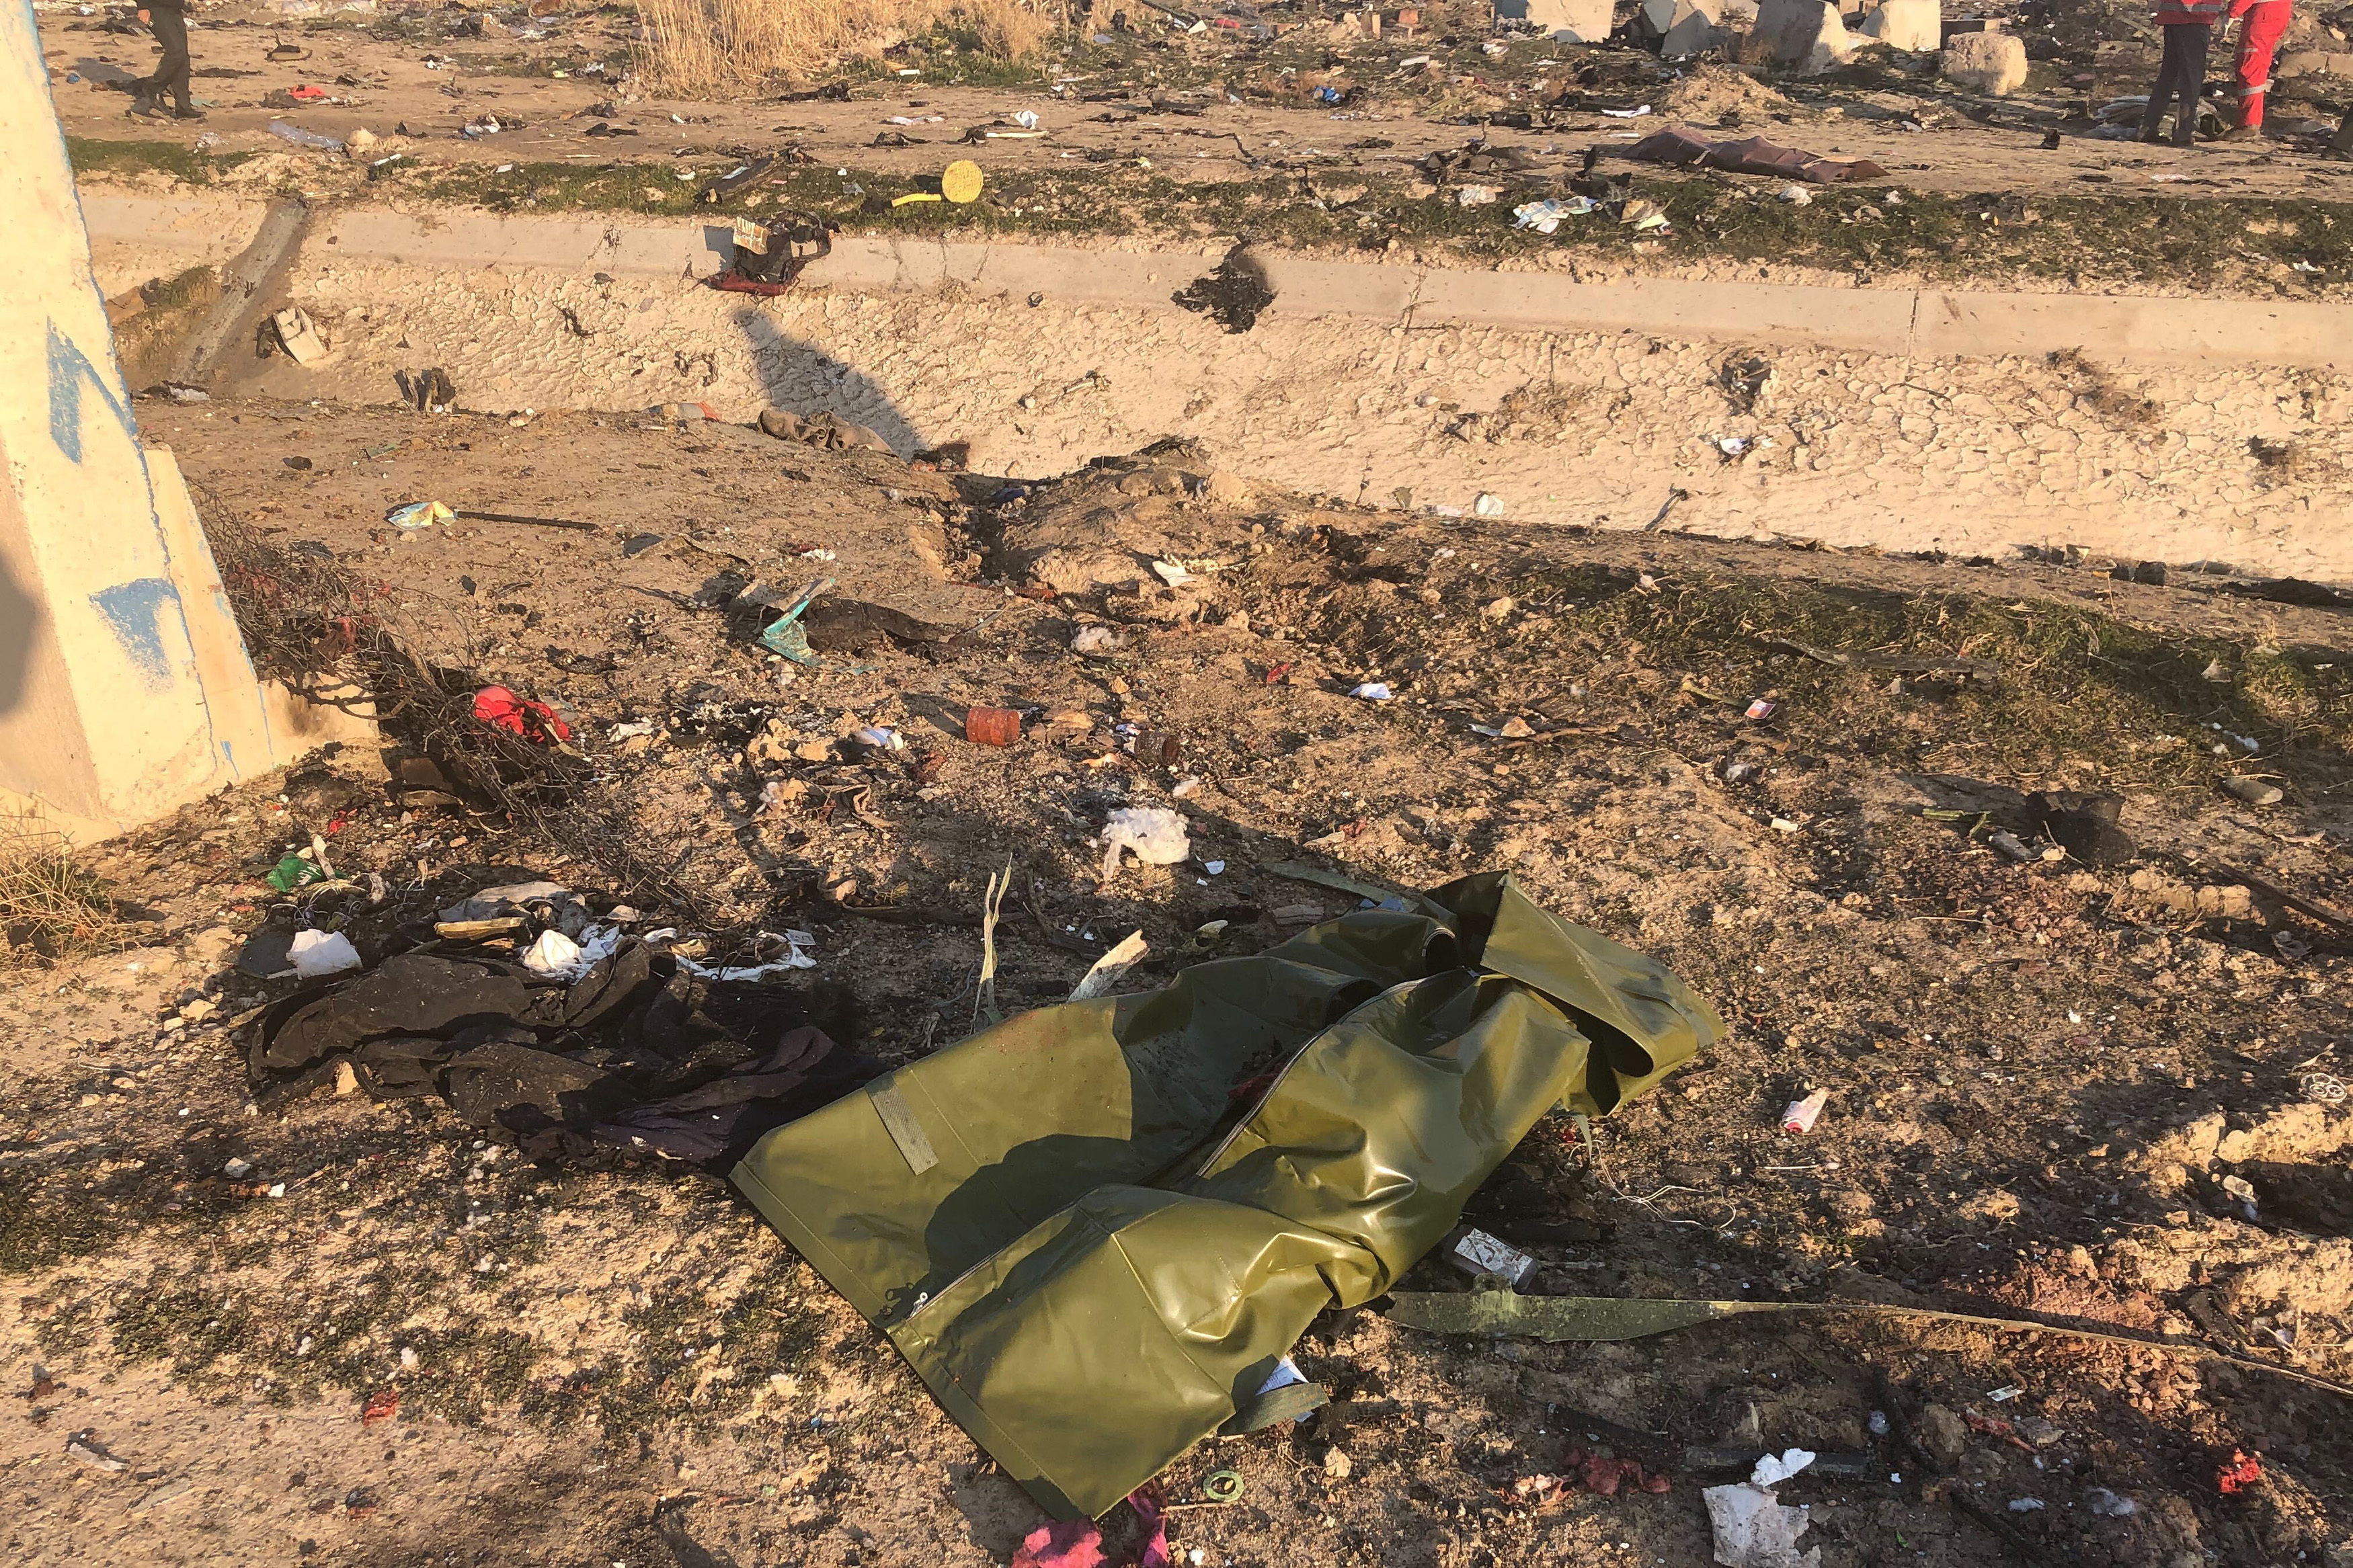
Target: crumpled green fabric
x=1100 y=1231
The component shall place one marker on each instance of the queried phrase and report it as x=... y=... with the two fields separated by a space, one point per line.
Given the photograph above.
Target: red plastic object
x=2244 y=1471
x=535 y=721
x=992 y=726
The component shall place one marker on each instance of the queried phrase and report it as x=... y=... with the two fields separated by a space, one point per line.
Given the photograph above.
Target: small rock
x=1336 y=1465
x=347 y=1079
x=238 y=1170
x=2254 y=791
x=1943 y=1432
x=1514 y=729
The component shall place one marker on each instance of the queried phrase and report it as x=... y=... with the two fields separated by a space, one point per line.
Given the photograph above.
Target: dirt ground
x=2041 y=1074
x=1149 y=129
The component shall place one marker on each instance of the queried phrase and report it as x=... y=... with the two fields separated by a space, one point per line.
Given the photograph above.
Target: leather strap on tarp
x=1113 y=1249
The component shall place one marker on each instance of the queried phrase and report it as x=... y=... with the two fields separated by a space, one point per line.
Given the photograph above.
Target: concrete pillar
x=1571 y=21
x=1917 y=26
x=1807 y=34
x=124 y=687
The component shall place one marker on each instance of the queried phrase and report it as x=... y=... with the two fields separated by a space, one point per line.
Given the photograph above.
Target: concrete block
x=1805 y=34
x=1917 y=26
x=124 y=687
x=1572 y=21
x=1985 y=62
x=1690 y=27
x=298 y=337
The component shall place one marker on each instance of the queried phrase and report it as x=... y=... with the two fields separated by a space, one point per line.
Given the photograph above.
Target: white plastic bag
x=1155 y=833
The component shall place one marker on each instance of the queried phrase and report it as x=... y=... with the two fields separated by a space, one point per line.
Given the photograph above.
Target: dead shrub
x=51 y=906
x=724 y=45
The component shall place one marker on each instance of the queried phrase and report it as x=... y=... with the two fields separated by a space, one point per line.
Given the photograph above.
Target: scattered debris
x=1753 y=1527
x=1477 y=1253
x=1155 y=833
x=992 y=726
x=1336 y=1114
x=82 y=1447
x=1112 y=968
x=534 y=721
x=297 y=335
x=314 y=953
x=1234 y=294
x=1751 y=156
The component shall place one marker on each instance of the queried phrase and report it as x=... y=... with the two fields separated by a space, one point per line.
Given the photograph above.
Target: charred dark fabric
x=637 y=1053
x=1750 y=156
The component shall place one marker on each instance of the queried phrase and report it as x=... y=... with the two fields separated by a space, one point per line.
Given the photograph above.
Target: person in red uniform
x=2189 y=32
x=2259 y=41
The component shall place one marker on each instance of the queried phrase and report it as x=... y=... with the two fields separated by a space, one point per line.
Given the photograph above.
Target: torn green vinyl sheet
x=1133 y=1205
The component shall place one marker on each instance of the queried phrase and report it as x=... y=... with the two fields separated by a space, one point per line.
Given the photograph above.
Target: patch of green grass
x=94 y=154
x=2080 y=239
x=41 y=1227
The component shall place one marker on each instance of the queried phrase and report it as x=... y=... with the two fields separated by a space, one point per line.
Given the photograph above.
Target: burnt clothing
x=637 y=1053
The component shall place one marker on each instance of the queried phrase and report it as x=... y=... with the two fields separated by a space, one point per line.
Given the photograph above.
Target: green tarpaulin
x=1095 y=1228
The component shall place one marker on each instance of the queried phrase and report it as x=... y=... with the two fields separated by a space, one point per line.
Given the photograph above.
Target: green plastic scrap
x=1093 y=1267
x=785 y=634
x=293 y=872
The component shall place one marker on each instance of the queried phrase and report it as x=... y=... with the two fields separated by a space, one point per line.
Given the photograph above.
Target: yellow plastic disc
x=960 y=181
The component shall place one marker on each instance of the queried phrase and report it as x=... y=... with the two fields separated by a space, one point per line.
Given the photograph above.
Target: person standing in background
x=2189 y=31
x=2259 y=41
x=169 y=21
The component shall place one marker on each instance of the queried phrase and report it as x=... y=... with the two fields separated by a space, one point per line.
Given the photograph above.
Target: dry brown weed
x=723 y=46
x=51 y=905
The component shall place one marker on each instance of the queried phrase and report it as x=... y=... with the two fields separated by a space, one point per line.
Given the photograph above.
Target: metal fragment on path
x=96 y=1457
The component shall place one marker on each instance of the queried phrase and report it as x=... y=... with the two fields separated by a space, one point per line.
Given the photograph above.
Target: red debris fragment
x=382 y=1406
x=1993 y=1427
x=2244 y=1471
x=1274 y=676
x=535 y=721
x=1065 y=1543
x=1602 y=1477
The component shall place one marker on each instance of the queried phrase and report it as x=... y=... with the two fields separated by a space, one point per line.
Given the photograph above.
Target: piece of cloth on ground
x=1094 y=1242
x=826 y=431
x=1750 y=156
x=637 y=1053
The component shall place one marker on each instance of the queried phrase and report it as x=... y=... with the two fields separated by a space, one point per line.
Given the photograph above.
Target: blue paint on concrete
x=135 y=611
x=68 y=368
